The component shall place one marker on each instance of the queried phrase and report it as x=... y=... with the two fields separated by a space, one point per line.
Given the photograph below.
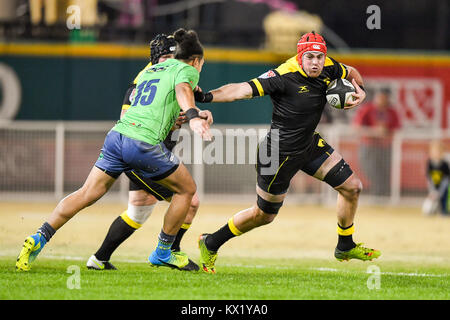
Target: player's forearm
x=232 y=92
x=354 y=74
x=185 y=96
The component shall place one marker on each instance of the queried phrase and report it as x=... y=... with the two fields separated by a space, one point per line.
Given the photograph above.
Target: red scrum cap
x=310 y=42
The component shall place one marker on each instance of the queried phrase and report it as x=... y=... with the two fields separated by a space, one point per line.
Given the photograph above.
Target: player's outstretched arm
x=185 y=98
x=232 y=92
x=227 y=93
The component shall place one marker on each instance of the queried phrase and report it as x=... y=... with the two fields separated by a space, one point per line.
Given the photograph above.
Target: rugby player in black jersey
x=297 y=90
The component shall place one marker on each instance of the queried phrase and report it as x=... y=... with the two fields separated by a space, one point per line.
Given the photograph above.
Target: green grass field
x=237 y=279
x=290 y=259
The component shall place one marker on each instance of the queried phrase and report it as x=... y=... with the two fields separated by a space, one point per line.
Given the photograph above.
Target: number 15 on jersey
x=146 y=93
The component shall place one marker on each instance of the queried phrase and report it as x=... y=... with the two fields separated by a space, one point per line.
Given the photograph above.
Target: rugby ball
x=339 y=93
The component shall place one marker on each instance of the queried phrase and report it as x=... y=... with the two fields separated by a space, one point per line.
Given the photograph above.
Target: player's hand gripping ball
x=339 y=93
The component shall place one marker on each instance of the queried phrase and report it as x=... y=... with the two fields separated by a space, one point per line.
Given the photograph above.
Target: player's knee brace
x=338 y=174
x=267 y=206
x=135 y=216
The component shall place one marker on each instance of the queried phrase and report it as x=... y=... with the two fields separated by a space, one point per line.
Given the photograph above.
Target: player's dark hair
x=188 y=45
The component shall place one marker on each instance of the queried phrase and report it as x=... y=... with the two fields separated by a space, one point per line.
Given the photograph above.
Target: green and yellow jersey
x=153 y=106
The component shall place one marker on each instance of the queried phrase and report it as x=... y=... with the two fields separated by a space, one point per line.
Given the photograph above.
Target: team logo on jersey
x=156 y=69
x=303 y=89
x=268 y=74
x=326 y=80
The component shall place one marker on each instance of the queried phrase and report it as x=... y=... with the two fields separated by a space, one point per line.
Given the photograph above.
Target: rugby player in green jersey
x=144 y=193
x=297 y=90
x=136 y=143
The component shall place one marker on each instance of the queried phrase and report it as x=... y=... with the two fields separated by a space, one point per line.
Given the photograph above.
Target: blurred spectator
x=376 y=121
x=8 y=10
x=132 y=13
x=55 y=11
x=438 y=175
x=89 y=11
x=44 y=11
x=283 y=28
x=276 y=4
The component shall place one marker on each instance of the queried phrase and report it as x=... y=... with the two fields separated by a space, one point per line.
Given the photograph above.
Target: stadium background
x=61 y=91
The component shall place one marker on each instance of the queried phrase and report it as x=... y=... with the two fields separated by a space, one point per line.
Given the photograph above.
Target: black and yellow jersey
x=298 y=101
x=438 y=173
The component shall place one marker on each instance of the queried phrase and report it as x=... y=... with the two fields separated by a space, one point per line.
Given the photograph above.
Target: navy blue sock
x=165 y=241
x=47 y=231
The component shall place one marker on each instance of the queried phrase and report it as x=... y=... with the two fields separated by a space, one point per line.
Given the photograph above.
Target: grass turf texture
x=237 y=279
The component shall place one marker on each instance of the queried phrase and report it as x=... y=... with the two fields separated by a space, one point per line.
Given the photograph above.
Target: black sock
x=214 y=241
x=118 y=232
x=47 y=231
x=176 y=243
x=345 y=243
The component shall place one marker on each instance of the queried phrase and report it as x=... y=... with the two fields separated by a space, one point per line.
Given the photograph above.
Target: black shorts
x=139 y=183
x=277 y=180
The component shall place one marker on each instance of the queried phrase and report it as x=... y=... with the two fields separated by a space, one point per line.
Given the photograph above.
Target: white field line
x=412 y=274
